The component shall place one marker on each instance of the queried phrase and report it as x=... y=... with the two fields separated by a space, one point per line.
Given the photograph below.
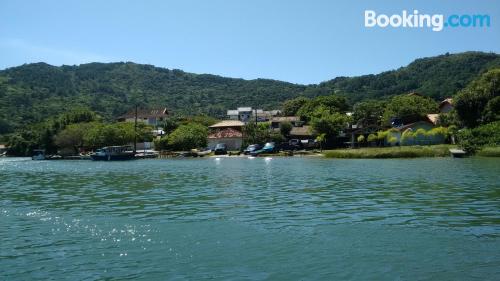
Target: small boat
x=146 y=155
x=112 y=153
x=203 y=152
x=457 y=153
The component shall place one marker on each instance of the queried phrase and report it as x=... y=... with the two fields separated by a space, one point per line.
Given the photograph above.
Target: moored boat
x=457 y=153
x=113 y=153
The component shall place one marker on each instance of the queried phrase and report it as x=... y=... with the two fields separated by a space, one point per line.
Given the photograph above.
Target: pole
x=135 y=130
x=255 y=133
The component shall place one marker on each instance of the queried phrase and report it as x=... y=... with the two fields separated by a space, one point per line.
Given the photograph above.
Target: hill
x=32 y=92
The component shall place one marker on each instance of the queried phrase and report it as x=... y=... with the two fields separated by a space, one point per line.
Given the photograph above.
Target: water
x=250 y=219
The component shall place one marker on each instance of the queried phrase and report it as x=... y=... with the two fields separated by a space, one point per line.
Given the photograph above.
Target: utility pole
x=255 y=133
x=135 y=130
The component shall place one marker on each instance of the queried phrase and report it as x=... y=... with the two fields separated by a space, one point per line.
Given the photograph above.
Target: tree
x=330 y=124
x=321 y=138
x=256 y=133
x=72 y=137
x=369 y=113
x=291 y=107
x=408 y=108
x=372 y=138
x=285 y=128
x=491 y=112
x=188 y=136
x=473 y=103
x=332 y=104
x=361 y=139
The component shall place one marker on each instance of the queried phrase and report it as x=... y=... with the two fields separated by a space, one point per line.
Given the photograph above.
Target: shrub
x=372 y=137
x=188 y=136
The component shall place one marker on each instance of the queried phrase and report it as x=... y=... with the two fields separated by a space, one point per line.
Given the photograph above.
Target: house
x=294 y=120
x=248 y=114
x=242 y=114
x=433 y=118
x=446 y=105
x=229 y=132
x=417 y=139
x=302 y=133
x=153 y=117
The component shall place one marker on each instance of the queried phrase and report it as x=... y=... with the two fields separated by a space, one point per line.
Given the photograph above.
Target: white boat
x=457 y=153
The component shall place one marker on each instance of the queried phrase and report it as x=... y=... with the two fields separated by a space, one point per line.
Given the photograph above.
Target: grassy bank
x=492 y=151
x=391 y=152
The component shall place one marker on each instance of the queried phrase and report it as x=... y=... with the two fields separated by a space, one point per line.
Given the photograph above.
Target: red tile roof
x=225 y=133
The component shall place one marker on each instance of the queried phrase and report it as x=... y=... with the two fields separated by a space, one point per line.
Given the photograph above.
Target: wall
x=231 y=143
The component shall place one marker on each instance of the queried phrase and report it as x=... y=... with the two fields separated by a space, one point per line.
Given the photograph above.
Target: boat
x=112 y=153
x=203 y=152
x=457 y=153
x=147 y=155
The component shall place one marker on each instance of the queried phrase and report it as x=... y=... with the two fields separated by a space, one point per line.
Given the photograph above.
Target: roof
x=434 y=118
x=228 y=123
x=301 y=131
x=285 y=118
x=413 y=124
x=146 y=113
x=244 y=109
x=445 y=102
x=225 y=133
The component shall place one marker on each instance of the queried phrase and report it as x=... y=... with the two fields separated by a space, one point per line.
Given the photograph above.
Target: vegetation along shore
x=421 y=110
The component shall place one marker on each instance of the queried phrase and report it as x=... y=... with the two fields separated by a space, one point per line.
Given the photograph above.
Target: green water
x=250 y=219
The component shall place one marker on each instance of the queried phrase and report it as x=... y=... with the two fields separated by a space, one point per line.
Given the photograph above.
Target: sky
x=296 y=41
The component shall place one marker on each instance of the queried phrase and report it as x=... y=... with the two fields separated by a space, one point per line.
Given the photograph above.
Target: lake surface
x=250 y=219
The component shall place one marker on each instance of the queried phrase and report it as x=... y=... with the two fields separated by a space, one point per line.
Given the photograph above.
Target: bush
x=188 y=136
x=372 y=137
x=471 y=140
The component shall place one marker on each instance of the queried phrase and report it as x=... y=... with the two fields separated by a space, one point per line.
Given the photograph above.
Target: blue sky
x=295 y=41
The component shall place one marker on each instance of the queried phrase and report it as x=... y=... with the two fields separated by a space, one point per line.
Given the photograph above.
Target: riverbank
x=491 y=151
x=391 y=152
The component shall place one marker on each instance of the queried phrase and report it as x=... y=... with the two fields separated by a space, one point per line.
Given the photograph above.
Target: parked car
x=309 y=144
x=295 y=144
x=269 y=147
x=251 y=148
x=220 y=149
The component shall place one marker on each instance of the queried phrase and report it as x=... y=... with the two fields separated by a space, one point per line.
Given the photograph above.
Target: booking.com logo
x=415 y=20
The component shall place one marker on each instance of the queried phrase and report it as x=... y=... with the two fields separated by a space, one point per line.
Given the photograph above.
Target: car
x=295 y=144
x=251 y=148
x=269 y=147
x=220 y=149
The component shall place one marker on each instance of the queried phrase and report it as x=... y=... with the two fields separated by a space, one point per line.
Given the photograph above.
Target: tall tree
x=471 y=102
x=408 y=108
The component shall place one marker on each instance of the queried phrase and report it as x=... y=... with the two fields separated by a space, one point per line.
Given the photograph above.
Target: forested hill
x=33 y=92
x=438 y=77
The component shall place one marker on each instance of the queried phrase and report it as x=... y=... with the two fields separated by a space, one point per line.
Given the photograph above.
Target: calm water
x=250 y=219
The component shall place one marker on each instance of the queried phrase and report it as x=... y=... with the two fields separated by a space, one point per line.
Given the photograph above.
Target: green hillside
x=32 y=92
